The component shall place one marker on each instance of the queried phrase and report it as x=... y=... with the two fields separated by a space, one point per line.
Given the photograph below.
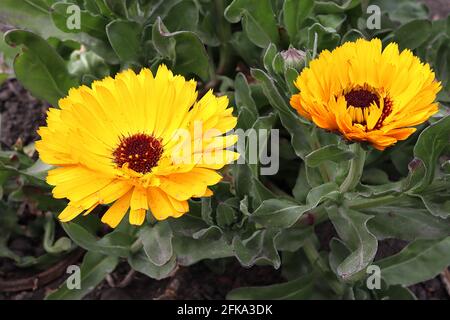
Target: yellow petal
x=117 y=211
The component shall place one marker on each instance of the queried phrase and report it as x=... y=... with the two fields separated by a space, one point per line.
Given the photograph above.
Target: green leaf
x=93 y=270
x=32 y=16
x=351 y=227
x=246 y=49
x=277 y=213
x=246 y=118
x=413 y=34
x=295 y=125
x=302 y=187
x=324 y=191
x=190 y=251
x=283 y=213
x=406 y=223
x=437 y=203
x=117 y=7
x=125 y=39
x=338 y=253
x=403 y=11
x=268 y=58
x=421 y=260
x=334 y=7
x=184 y=48
x=395 y=293
x=225 y=215
x=157 y=242
x=331 y=20
x=299 y=289
x=258 y=20
x=293 y=239
x=243 y=94
x=87 y=64
x=142 y=264
x=295 y=13
x=327 y=38
x=187 y=21
x=352 y=35
x=431 y=143
x=328 y=153
x=115 y=243
x=40 y=69
x=259 y=247
x=271 y=92
x=92 y=24
x=49 y=243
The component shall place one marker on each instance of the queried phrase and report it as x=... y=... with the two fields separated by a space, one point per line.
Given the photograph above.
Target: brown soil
x=438 y=8
x=21 y=114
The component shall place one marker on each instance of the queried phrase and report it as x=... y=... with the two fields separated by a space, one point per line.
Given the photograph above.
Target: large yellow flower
x=138 y=141
x=366 y=93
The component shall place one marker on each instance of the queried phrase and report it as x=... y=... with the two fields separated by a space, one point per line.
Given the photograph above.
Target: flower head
x=138 y=142
x=366 y=93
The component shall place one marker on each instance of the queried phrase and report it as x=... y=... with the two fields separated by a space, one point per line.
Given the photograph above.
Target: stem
x=356 y=168
x=316 y=260
x=313 y=255
x=315 y=144
x=224 y=33
x=370 y=203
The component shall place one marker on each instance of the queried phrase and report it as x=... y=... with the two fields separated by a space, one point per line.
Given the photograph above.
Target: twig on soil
x=127 y=279
x=170 y=292
x=445 y=278
x=42 y=278
x=110 y=281
x=123 y=283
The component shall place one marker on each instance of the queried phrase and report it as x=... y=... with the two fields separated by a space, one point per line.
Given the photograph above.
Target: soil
x=438 y=8
x=21 y=115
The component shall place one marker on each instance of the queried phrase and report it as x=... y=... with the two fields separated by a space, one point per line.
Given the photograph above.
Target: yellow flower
x=137 y=141
x=366 y=93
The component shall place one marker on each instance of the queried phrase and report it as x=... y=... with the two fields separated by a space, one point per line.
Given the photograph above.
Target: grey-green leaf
x=93 y=270
x=419 y=261
x=157 y=242
x=351 y=227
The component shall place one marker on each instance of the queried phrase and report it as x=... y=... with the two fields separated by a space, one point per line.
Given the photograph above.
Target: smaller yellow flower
x=367 y=93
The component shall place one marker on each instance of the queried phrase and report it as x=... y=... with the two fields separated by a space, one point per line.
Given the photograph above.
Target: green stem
x=316 y=260
x=356 y=169
x=315 y=144
x=224 y=33
x=374 y=202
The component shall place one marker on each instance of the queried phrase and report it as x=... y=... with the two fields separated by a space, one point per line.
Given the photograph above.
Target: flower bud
x=293 y=58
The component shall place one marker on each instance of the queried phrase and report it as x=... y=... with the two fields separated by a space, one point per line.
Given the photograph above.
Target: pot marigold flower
x=137 y=141
x=367 y=93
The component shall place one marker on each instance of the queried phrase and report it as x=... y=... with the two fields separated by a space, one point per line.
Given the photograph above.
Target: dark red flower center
x=361 y=98
x=140 y=151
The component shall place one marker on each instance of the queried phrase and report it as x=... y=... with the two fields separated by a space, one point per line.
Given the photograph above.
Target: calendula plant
x=358 y=140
